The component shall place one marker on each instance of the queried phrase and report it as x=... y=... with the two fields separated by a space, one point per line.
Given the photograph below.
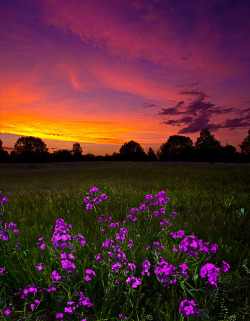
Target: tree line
x=177 y=148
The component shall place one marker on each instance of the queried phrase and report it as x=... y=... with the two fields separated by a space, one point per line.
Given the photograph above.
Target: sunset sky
x=103 y=72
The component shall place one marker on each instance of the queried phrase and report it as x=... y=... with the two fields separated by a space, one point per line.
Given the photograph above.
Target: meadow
x=109 y=262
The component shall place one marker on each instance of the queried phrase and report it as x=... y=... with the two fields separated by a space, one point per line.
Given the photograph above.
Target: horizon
x=103 y=74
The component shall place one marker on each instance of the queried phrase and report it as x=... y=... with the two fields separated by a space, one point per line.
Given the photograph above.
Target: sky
x=103 y=73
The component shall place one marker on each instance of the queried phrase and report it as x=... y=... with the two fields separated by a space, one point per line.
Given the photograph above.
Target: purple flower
x=104 y=196
x=188 y=308
x=7 y=311
x=55 y=276
x=93 y=190
x=146 y=266
x=1 y=271
x=59 y=315
x=89 y=207
x=210 y=271
x=133 y=281
x=225 y=267
x=39 y=266
x=41 y=243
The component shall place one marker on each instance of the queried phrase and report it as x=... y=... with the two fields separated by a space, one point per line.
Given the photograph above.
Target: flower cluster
x=212 y=273
x=188 y=308
x=115 y=256
x=191 y=244
x=89 y=201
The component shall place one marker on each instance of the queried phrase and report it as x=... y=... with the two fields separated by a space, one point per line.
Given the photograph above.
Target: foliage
x=132 y=151
x=30 y=144
x=176 y=148
x=207 y=145
x=151 y=156
x=77 y=151
x=245 y=145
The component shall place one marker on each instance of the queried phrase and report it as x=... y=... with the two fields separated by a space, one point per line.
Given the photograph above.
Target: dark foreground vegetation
x=177 y=148
x=150 y=270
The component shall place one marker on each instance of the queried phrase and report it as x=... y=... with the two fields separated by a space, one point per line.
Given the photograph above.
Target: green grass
x=212 y=202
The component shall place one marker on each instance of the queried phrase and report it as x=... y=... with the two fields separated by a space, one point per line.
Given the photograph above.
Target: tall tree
x=132 y=151
x=151 y=156
x=77 y=151
x=245 y=145
x=31 y=144
x=176 y=148
x=207 y=146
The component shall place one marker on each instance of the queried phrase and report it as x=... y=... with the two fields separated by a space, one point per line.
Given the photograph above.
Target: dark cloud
x=197 y=112
x=242 y=122
x=197 y=124
x=146 y=105
x=194 y=93
x=172 y=111
x=178 y=122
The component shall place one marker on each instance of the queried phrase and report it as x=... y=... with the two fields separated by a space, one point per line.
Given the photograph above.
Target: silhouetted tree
x=132 y=151
x=227 y=154
x=176 y=148
x=151 y=156
x=30 y=149
x=245 y=145
x=77 y=151
x=207 y=146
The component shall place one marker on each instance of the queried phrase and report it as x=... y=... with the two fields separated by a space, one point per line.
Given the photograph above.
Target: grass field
x=211 y=201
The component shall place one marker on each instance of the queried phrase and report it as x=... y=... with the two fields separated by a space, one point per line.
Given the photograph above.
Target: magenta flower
x=188 y=308
x=59 y=315
x=39 y=266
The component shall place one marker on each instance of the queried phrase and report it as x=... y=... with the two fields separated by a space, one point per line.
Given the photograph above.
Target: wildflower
x=55 y=276
x=188 y=308
x=68 y=310
x=7 y=311
x=59 y=315
x=32 y=306
x=121 y=317
x=41 y=243
x=93 y=190
x=133 y=281
x=39 y=266
x=104 y=196
x=1 y=271
x=210 y=271
x=16 y=231
x=146 y=266
x=131 y=242
x=17 y=245
x=225 y=267
x=88 y=275
x=89 y=207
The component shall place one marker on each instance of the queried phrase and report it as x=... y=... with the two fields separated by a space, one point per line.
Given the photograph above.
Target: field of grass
x=211 y=202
